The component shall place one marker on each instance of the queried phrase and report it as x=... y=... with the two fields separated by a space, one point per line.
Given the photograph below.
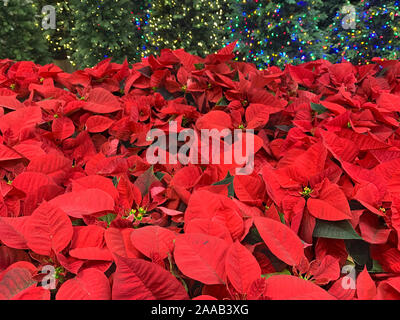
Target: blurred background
x=77 y=34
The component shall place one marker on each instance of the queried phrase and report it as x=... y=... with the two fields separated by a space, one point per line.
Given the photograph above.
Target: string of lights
x=59 y=39
x=376 y=32
x=281 y=32
x=198 y=26
x=107 y=28
x=268 y=32
x=278 y=32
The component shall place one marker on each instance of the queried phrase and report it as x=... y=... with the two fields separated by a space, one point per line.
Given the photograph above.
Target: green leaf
x=108 y=218
x=284 y=128
x=115 y=181
x=282 y=217
x=236 y=77
x=268 y=275
x=165 y=93
x=199 y=66
x=229 y=181
x=360 y=252
x=159 y=175
x=335 y=230
x=318 y=108
x=78 y=222
x=253 y=236
x=222 y=102
x=376 y=267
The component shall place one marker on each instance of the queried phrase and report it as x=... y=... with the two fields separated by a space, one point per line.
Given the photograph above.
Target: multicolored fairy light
x=375 y=33
x=269 y=32
x=277 y=32
x=281 y=32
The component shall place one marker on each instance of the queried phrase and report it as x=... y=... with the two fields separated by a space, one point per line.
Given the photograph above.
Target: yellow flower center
x=306 y=192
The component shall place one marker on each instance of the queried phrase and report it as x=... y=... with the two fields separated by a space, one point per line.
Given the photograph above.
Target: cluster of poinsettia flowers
x=83 y=215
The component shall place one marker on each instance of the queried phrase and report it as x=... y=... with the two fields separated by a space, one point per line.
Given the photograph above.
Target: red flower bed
x=84 y=215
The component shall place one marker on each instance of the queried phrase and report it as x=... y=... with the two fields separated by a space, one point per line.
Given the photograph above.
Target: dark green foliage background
x=20 y=36
x=90 y=31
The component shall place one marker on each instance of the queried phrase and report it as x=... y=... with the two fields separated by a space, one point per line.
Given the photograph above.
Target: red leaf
x=102 y=101
x=24 y=118
x=7 y=153
x=281 y=240
x=389 y=289
x=257 y=115
x=301 y=75
x=12 y=232
x=62 y=128
x=257 y=289
x=95 y=182
x=137 y=279
x=98 y=123
x=366 y=289
x=285 y=287
x=53 y=165
x=10 y=102
x=331 y=205
x=242 y=267
x=48 y=229
x=228 y=49
x=206 y=226
x=214 y=120
x=119 y=242
x=82 y=203
x=325 y=270
x=8 y=256
x=153 y=241
x=128 y=193
x=199 y=257
x=217 y=208
x=341 y=292
x=249 y=188
x=204 y=297
x=341 y=148
x=145 y=180
x=89 y=284
x=15 y=281
x=29 y=182
x=91 y=253
x=363 y=141
x=33 y=293
x=20 y=264
x=87 y=236
x=372 y=230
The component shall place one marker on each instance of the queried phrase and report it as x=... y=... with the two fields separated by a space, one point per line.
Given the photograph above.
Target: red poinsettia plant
x=85 y=215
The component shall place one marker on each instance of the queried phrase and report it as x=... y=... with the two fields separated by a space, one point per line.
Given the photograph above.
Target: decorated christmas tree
x=362 y=30
x=279 y=32
x=20 y=35
x=57 y=32
x=106 y=28
x=198 y=26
